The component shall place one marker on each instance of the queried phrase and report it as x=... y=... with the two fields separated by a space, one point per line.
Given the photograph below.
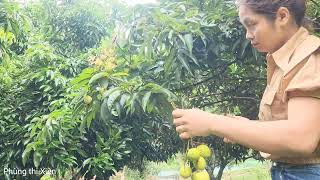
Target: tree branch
x=212 y=77
x=246 y=98
x=226 y=100
x=207 y=79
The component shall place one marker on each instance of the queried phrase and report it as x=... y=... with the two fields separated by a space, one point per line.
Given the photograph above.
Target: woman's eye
x=251 y=24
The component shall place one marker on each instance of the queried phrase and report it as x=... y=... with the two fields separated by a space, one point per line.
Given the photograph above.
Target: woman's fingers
x=177 y=113
x=185 y=135
x=181 y=129
x=181 y=123
x=178 y=121
x=183 y=132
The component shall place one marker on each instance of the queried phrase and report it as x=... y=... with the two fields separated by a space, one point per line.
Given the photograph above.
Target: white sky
x=134 y=2
x=129 y=2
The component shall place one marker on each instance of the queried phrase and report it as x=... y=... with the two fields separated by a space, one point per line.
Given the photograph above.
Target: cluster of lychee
x=195 y=163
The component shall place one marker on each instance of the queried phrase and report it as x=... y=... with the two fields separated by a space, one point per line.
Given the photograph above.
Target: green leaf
x=244 y=46
x=145 y=100
x=182 y=39
x=85 y=75
x=120 y=74
x=61 y=137
x=110 y=91
x=164 y=107
x=37 y=157
x=47 y=177
x=25 y=156
x=97 y=77
x=189 y=42
x=113 y=97
x=117 y=111
x=236 y=44
x=255 y=54
x=85 y=162
x=191 y=56
x=170 y=34
x=132 y=103
x=169 y=61
x=79 y=107
x=123 y=100
x=167 y=92
x=185 y=64
x=105 y=113
x=90 y=117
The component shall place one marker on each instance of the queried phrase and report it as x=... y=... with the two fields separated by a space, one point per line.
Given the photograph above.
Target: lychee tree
x=117 y=111
x=201 y=56
x=118 y=97
x=199 y=51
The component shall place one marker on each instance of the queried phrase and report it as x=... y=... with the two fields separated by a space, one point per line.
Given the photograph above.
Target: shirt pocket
x=268 y=96
x=265 y=105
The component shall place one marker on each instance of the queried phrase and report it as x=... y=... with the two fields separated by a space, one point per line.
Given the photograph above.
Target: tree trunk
x=219 y=175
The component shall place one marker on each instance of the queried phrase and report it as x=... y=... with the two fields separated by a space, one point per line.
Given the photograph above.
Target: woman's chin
x=261 y=50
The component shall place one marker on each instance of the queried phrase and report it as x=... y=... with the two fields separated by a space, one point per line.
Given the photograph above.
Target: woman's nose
x=249 y=35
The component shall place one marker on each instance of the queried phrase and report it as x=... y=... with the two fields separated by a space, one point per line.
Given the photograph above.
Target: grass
x=153 y=169
x=249 y=170
x=258 y=172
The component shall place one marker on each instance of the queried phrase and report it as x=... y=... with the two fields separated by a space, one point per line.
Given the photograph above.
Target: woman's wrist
x=217 y=123
x=222 y=123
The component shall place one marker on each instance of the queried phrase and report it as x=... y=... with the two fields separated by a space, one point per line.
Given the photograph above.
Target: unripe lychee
x=204 y=150
x=193 y=154
x=200 y=175
x=185 y=171
x=87 y=99
x=201 y=164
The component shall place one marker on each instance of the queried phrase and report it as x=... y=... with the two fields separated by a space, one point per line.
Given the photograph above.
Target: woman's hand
x=193 y=122
x=226 y=140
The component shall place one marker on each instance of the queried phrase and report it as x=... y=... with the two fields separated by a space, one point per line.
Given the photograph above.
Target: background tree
x=87 y=91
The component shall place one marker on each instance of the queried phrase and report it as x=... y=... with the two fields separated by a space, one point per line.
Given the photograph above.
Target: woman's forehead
x=244 y=10
x=245 y=13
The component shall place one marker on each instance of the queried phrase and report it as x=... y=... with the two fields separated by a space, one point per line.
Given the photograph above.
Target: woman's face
x=264 y=34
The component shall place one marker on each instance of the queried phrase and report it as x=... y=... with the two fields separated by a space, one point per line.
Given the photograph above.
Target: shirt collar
x=282 y=56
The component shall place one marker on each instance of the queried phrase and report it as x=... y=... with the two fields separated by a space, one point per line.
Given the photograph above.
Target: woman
x=288 y=130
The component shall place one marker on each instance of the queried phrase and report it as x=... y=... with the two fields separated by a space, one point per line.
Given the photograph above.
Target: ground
x=249 y=170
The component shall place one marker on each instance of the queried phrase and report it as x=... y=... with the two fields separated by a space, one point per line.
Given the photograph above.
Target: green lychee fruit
x=193 y=154
x=200 y=175
x=204 y=150
x=87 y=99
x=201 y=164
x=185 y=171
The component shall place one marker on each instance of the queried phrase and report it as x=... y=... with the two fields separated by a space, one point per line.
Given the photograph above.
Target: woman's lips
x=254 y=44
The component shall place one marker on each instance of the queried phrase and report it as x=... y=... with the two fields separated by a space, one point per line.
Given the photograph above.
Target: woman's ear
x=283 y=16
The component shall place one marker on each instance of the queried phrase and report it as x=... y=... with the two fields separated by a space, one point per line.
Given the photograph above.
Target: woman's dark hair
x=269 y=8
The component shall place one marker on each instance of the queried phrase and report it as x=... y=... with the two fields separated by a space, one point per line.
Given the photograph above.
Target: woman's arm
x=297 y=136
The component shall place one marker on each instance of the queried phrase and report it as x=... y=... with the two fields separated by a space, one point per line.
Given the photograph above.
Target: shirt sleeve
x=306 y=83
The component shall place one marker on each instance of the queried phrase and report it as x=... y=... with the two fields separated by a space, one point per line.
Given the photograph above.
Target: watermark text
x=31 y=171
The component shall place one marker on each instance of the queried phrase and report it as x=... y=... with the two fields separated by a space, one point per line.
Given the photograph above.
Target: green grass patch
x=249 y=170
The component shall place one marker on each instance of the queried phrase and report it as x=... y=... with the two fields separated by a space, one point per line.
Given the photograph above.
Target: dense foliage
x=87 y=91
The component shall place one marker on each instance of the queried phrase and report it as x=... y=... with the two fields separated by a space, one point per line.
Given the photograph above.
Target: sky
x=129 y=2
x=134 y=2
